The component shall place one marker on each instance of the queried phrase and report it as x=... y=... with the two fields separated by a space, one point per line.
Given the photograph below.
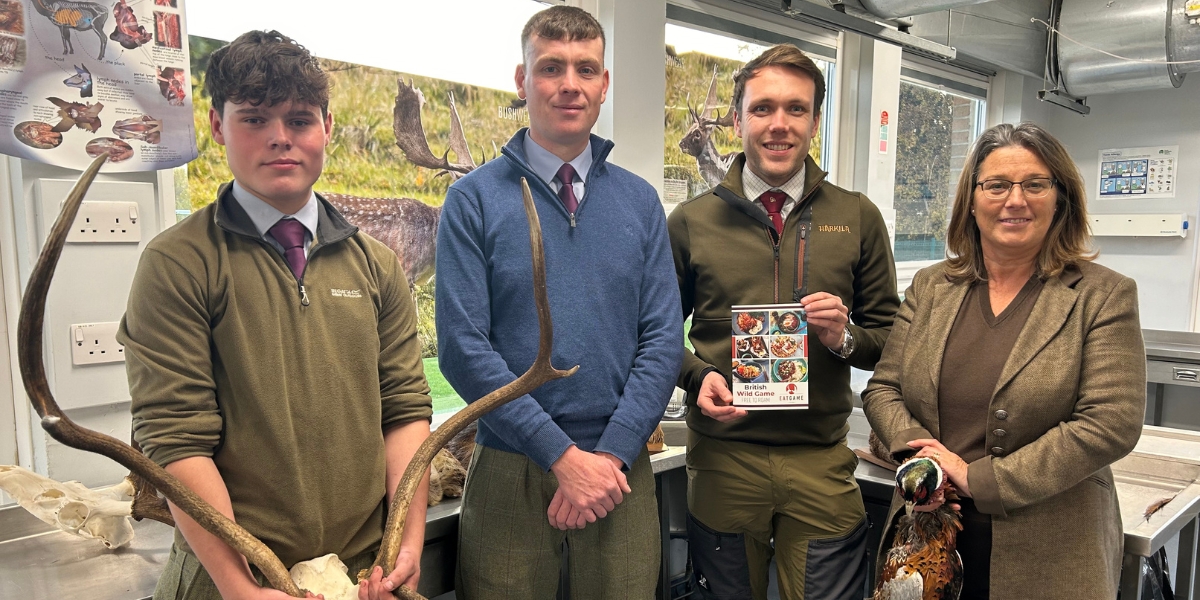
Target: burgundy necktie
x=773 y=201
x=290 y=234
x=566 y=193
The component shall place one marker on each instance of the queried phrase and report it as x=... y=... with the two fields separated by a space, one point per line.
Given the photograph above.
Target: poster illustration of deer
x=398 y=143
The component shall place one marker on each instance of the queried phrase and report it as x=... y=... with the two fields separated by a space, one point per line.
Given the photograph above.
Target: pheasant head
x=917 y=480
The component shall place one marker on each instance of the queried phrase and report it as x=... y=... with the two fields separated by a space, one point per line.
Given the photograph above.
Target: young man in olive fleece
x=781 y=482
x=272 y=353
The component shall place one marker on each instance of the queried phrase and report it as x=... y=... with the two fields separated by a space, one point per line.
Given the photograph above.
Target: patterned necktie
x=290 y=234
x=566 y=193
x=773 y=201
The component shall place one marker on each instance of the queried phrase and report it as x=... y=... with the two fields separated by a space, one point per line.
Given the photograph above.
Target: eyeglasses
x=999 y=189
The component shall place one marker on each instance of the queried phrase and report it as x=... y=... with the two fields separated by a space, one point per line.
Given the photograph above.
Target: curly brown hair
x=1069 y=239
x=265 y=67
x=782 y=55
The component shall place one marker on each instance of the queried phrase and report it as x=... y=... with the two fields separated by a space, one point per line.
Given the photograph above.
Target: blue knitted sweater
x=613 y=297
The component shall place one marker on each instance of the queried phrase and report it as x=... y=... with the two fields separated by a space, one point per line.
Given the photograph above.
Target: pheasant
x=923 y=563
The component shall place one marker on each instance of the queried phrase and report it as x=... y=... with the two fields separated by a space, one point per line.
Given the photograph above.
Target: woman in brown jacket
x=1018 y=365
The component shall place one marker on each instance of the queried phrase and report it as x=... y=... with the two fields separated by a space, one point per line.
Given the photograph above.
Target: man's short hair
x=265 y=67
x=783 y=55
x=566 y=23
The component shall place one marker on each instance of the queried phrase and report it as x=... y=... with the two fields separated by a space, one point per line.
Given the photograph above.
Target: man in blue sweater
x=569 y=460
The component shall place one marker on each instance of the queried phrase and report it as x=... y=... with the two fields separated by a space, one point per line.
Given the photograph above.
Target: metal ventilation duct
x=995 y=34
x=1146 y=30
x=891 y=9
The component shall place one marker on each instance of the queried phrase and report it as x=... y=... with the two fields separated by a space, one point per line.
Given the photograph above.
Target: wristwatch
x=847 y=344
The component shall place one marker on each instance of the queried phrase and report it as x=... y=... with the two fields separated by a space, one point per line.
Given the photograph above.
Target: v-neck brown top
x=976 y=350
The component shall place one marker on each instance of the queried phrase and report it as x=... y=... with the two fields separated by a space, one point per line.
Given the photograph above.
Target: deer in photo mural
x=78 y=16
x=408 y=226
x=697 y=142
x=150 y=480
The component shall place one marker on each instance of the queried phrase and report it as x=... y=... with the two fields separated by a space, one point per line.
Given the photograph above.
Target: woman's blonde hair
x=1069 y=239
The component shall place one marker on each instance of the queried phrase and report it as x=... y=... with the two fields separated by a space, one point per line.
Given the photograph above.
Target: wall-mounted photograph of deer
x=150 y=480
x=698 y=141
x=401 y=140
x=406 y=225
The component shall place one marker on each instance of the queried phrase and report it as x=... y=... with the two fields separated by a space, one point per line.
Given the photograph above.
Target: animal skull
x=71 y=507
x=325 y=576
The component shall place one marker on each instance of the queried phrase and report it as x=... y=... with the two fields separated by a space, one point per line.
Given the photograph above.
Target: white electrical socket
x=94 y=343
x=106 y=222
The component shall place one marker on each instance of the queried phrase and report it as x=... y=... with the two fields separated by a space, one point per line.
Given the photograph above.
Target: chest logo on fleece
x=345 y=293
x=833 y=228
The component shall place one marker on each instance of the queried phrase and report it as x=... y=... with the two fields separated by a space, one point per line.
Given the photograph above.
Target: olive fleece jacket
x=726 y=254
x=287 y=385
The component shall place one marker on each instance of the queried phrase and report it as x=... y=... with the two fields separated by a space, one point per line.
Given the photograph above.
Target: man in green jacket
x=781 y=482
x=271 y=347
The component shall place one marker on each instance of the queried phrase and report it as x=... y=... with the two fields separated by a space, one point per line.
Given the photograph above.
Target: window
x=939 y=119
x=704 y=50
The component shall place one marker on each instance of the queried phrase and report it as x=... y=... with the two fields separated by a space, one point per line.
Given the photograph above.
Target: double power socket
x=101 y=222
x=106 y=222
x=95 y=343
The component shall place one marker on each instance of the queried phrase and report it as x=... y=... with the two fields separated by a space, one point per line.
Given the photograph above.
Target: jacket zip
x=775 y=247
x=530 y=175
x=776 y=242
x=299 y=282
x=801 y=243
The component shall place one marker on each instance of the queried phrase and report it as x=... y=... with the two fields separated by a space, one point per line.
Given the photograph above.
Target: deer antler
x=710 y=101
x=61 y=428
x=458 y=140
x=710 y=107
x=539 y=373
x=411 y=138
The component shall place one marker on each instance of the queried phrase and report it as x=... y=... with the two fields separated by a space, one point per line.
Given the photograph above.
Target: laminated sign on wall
x=80 y=79
x=770 y=356
x=1138 y=172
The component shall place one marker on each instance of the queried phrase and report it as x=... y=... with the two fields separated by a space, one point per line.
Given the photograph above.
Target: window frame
x=950 y=79
x=766 y=29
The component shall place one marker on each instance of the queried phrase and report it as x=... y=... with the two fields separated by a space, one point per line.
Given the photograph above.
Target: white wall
x=1164 y=268
x=91 y=285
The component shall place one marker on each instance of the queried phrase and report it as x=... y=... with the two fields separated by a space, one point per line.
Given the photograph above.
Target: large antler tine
x=61 y=428
x=710 y=101
x=33 y=307
x=458 y=140
x=539 y=373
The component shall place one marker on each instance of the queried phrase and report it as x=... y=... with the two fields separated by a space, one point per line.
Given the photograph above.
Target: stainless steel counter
x=1175 y=346
x=38 y=562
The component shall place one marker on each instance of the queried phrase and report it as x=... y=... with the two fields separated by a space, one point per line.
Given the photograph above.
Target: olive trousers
x=184 y=578
x=507 y=548
x=800 y=505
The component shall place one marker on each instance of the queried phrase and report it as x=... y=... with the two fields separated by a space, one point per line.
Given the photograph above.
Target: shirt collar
x=264 y=216
x=754 y=186
x=545 y=164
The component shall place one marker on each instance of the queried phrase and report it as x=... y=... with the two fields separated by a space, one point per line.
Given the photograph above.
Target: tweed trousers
x=507 y=548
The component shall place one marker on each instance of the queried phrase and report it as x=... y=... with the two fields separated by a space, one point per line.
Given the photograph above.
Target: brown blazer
x=1070 y=402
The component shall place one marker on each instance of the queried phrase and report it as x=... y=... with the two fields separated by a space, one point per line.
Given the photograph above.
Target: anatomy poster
x=81 y=79
x=1138 y=172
